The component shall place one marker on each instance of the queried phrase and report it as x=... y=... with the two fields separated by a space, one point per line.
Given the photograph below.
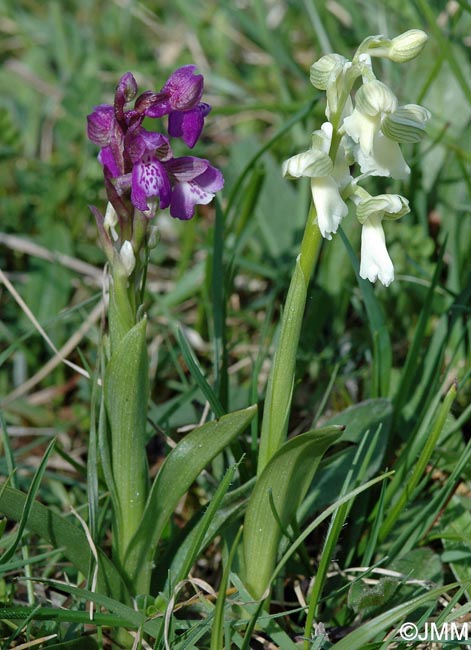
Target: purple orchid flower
x=195 y=183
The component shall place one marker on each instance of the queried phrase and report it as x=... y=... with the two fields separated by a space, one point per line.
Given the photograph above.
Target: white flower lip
x=330 y=207
x=375 y=261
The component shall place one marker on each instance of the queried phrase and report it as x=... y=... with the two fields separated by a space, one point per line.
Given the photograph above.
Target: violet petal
x=183 y=88
x=100 y=124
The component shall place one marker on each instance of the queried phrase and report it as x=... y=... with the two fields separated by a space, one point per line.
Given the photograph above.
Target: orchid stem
x=281 y=380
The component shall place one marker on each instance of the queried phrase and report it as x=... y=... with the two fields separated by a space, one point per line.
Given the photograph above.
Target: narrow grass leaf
x=62 y=535
x=198 y=376
x=405 y=494
x=28 y=504
x=217 y=632
x=204 y=525
x=218 y=514
x=218 y=305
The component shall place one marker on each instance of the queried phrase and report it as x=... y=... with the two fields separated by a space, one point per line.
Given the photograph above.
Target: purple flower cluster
x=139 y=167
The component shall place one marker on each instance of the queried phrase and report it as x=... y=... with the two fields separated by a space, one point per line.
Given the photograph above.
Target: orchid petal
x=330 y=206
x=188 y=125
x=149 y=179
x=375 y=260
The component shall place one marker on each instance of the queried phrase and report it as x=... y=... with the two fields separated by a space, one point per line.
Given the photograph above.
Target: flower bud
x=183 y=88
x=127 y=257
x=406 y=124
x=100 y=125
x=374 y=98
x=322 y=69
x=111 y=217
x=407 y=46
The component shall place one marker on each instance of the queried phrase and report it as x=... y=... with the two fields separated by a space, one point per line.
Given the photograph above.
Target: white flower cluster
x=366 y=131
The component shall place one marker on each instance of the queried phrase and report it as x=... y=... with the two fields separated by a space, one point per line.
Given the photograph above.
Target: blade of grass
x=217 y=632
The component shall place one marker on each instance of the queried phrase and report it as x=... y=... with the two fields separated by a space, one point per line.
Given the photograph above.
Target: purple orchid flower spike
x=139 y=168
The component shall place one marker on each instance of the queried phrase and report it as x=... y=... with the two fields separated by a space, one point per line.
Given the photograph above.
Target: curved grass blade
x=217 y=632
x=30 y=497
x=198 y=376
x=63 y=535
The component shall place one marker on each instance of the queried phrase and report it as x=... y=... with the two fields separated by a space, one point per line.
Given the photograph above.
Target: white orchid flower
x=375 y=261
x=371 y=210
x=327 y=179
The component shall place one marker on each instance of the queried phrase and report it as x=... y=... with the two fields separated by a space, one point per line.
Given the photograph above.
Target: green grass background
x=61 y=58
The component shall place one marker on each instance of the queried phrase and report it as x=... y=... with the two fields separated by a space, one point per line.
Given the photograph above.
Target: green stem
x=281 y=380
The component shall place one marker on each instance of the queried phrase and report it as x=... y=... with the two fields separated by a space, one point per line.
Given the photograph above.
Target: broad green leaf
x=126 y=396
x=282 y=484
x=363 y=596
x=61 y=534
x=179 y=471
x=361 y=636
x=358 y=420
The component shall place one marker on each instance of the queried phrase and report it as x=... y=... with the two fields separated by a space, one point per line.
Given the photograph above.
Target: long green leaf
x=179 y=471
x=284 y=483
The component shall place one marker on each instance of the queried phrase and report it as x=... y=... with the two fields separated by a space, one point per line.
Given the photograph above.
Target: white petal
x=330 y=206
x=362 y=129
x=386 y=159
x=309 y=163
x=375 y=260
